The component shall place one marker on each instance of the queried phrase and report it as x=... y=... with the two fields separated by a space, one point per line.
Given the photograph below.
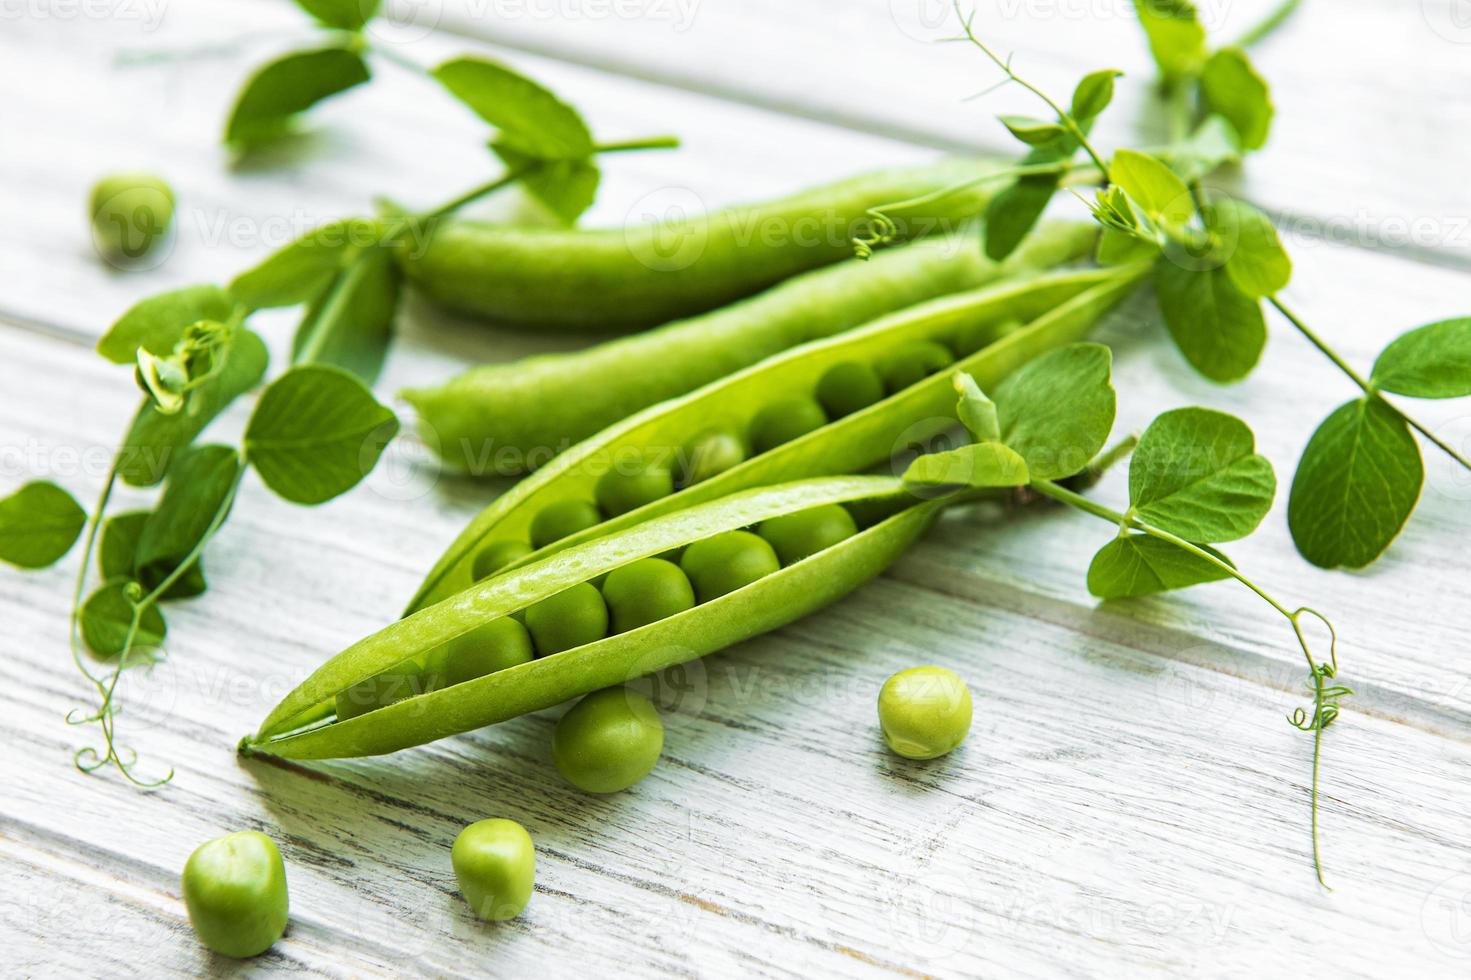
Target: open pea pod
x=1053 y=310
x=303 y=725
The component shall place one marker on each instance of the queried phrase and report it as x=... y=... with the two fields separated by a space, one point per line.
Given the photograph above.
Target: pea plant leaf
x=1152 y=185
x=1218 y=328
x=1212 y=143
x=346 y=15
x=1176 y=37
x=1356 y=484
x=298 y=272
x=106 y=616
x=975 y=411
x=200 y=486
x=1433 y=361
x=118 y=553
x=1015 y=209
x=1136 y=564
x=350 y=322
x=530 y=118
x=38 y=525
x=1033 y=132
x=1255 y=260
x=156 y=438
x=1056 y=411
x=1092 y=95
x=276 y=93
x=980 y=464
x=157 y=323
x=1230 y=86
x=315 y=433
x=1196 y=474
x=566 y=188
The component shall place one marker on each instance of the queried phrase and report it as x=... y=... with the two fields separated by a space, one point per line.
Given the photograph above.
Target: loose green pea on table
x=925 y=712
x=495 y=864
x=235 y=889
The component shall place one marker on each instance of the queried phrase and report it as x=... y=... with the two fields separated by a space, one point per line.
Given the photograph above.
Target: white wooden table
x=1131 y=800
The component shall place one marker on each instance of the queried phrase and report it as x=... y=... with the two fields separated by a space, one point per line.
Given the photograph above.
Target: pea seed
x=389 y=687
x=568 y=619
x=495 y=864
x=972 y=338
x=130 y=214
x=646 y=591
x=623 y=489
x=711 y=453
x=726 y=562
x=608 y=741
x=796 y=536
x=785 y=420
x=913 y=363
x=565 y=517
x=496 y=645
x=924 y=712
x=235 y=890
x=848 y=387
x=494 y=557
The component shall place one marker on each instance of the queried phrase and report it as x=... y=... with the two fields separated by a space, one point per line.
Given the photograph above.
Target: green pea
x=130 y=214
x=565 y=517
x=972 y=338
x=389 y=687
x=795 y=536
x=726 y=562
x=494 y=646
x=913 y=363
x=711 y=453
x=848 y=387
x=494 y=557
x=568 y=619
x=785 y=420
x=646 y=591
x=608 y=741
x=924 y=712
x=495 y=864
x=628 y=487
x=235 y=890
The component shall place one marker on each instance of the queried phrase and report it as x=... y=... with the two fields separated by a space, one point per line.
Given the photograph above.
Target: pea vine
x=1195 y=481
x=1217 y=261
x=314 y=432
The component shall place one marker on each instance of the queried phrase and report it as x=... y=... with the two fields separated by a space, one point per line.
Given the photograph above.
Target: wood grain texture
x=1131 y=801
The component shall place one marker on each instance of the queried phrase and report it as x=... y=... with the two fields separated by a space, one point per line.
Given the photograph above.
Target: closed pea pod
x=630 y=278
x=509 y=418
x=1058 y=308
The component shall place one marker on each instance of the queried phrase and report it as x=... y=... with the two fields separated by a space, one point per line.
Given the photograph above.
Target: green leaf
x=1137 y=564
x=1121 y=248
x=201 y=482
x=158 y=323
x=1213 y=144
x=156 y=439
x=315 y=433
x=117 y=558
x=1056 y=411
x=975 y=411
x=350 y=323
x=981 y=464
x=1232 y=87
x=1154 y=187
x=1176 y=37
x=347 y=15
x=1093 y=95
x=1197 y=475
x=566 y=187
x=1219 y=329
x=1014 y=211
x=530 y=119
x=106 y=616
x=1033 y=132
x=38 y=525
x=1433 y=361
x=1255 y=259
x=287 y=86
x=1357 y=482
x=300 y=271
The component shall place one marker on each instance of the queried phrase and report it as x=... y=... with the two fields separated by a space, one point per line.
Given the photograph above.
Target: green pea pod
x=510 y=418
x=297 y=727
x=622 y=279
x=1055 y=309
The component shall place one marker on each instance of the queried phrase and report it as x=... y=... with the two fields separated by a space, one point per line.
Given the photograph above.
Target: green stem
x=1103 y=463
x=1364 y=384
x=1273 y=20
